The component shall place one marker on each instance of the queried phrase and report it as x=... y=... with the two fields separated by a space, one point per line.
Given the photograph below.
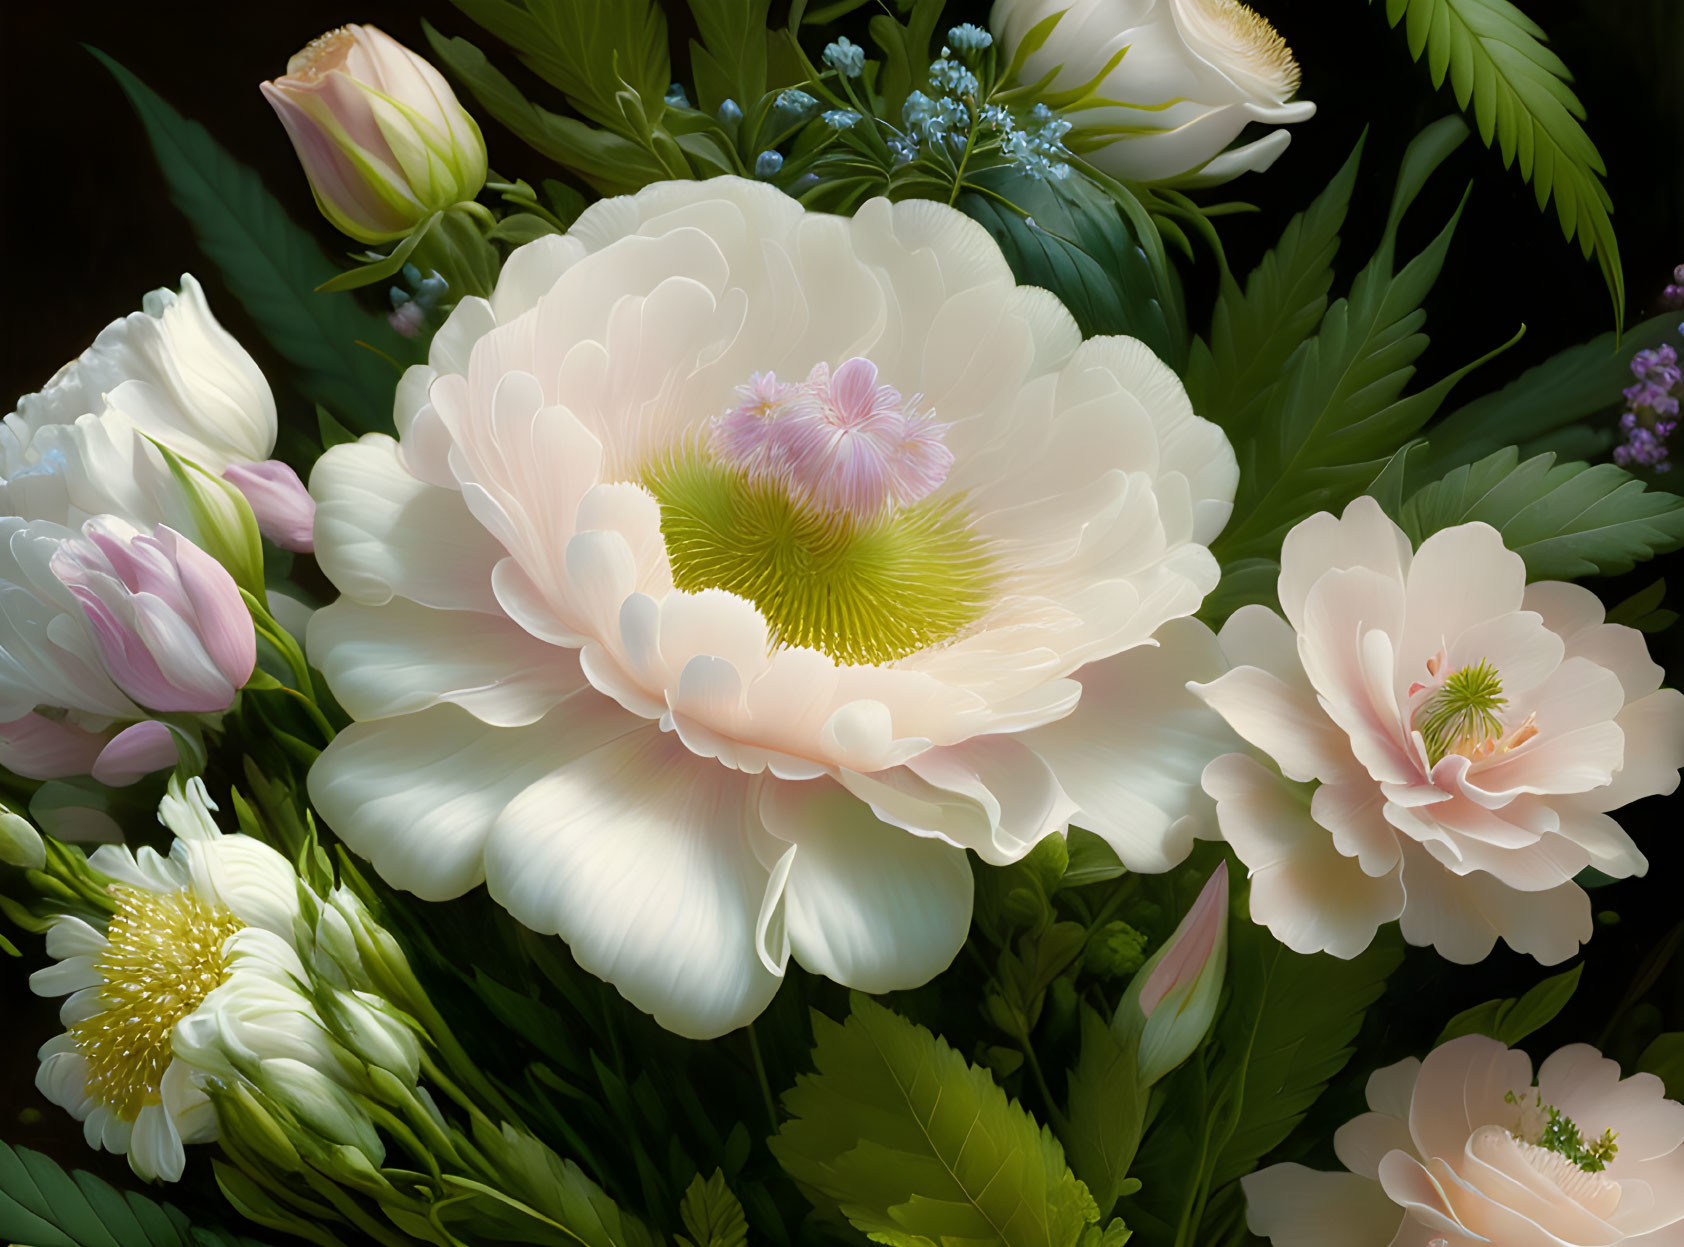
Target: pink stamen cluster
x=839 y=441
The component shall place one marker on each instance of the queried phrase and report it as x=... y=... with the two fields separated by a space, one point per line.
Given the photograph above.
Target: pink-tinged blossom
x=859 y=447
x=39 y=746
x=135 y=752
x=743 y=434
x=168 y=619
x=1469 y=1149
x=1173 y=998
x=286 y=514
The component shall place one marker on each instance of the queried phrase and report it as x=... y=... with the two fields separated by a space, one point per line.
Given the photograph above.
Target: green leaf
x=1664 y=1058
x=43 y=1206
x=1071 y=238
x=590 y=50
x=712 y=1214
x=611 y=163
x=919 y=1147
x=1245 y=582
x=271 y=265
x=1643 y=609
x=729 y=61
x=1510 y=1021
x=383 y=266
x=1340 y=410
x=1517 y=91
x=1107 y=1111
x=1566 y=521
x=1573 y=385
x=1254 y=333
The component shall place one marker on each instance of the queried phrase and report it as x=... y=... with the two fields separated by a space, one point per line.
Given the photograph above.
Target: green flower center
x=1461 y=717
x=864 y=589
x=1544 y=1125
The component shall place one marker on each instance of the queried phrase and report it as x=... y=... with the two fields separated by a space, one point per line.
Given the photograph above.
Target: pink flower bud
x=286 y=514
x=1173 y=998
x=169 y=621
x=135 y=753
x=379 y=132
x=40 y=746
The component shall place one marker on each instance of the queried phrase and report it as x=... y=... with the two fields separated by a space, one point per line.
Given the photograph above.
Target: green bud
x=20 y=844
x=321 y=1104
x=1115 y=950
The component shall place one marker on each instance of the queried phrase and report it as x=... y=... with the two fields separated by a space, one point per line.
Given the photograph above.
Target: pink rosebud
x=136 y=752
x=380 y=134
x=1172 y=1000
x=286 y=514
x=39 y=746
x=169 y=621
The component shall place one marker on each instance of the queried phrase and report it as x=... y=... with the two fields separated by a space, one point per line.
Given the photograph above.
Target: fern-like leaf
x=1517 y=92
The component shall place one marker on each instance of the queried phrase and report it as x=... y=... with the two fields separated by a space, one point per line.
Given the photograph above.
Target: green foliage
x=1643 y=609
x=1072 y=238
x=1517 y=92
x=271 y=265
x=712 y=1214
x=608 y=57
x=1509 y=1021
x=1339 y=411
x=729 y=60
x=1572 y=385
x=1107 y=1112
x=1567 y=520
x=917 y=1147
x=43 y=1206
x=610 y=162
x=1255 y=332
x=1285 y=1031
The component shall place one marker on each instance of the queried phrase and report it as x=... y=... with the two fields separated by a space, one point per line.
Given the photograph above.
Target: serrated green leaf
x=712 y=1214
x=610 y=162
x=1253 y=333
x=1516 y=90
x=1071 y=238
x=43 y=1206
x=271 y=265
x=1509 y=1021
x=590 y=50
x=1572 y=385
x=919 y=1147
x=1107 y=1111
x=1567 y=520
x=1341 y=410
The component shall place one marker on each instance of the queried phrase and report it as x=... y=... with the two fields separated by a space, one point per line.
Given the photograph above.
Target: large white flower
x=170 y=373
x=1467 y=732
x=726 y=545
x=1464 y=1150
x=203 y=930
x=1192 y=75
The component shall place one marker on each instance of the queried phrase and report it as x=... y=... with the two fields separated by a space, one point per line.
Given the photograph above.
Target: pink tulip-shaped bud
x=1172 y=1000
x=169 y=621
x=380 y=134
x=135 y=752
x=286 y=514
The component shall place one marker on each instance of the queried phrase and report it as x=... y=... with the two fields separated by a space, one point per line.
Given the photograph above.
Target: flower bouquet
x=803 y=630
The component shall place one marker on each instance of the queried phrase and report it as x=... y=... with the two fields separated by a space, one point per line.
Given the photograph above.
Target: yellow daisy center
x=163 y=956
x=1243 y=41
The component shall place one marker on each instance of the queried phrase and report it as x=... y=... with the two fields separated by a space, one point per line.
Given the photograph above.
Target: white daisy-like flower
x=738 y=568
x=191 y=933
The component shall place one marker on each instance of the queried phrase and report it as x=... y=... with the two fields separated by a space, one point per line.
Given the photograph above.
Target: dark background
x=88 y=229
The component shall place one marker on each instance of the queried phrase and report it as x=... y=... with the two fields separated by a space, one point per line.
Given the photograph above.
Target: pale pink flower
x=1466 y=733
x=169 y=620
x=285 y=512
x=1454 y=1152
x=743 y=434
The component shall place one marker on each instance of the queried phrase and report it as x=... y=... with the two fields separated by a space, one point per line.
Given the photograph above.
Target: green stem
x=760 y=1075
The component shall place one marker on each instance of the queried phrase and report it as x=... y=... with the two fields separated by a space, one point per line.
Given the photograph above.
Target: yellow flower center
x=1241 y=41
x=864 y=589
x=163 y=956
x=321 y=55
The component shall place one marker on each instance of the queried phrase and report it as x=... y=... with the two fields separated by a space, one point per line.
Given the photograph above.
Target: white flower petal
x=1292 y=1206
x=867 y=904
x=641 y=857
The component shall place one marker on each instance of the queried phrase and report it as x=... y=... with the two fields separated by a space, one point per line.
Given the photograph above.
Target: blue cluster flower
x=845 y=58
x=954 y=79
x=730 y=112
x=840 y=118
x=677 y=97
x=1651 y=415
x=932 y=120
x=795 y=105
x=410 y=306
x=969 y=37
x=767 y=164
